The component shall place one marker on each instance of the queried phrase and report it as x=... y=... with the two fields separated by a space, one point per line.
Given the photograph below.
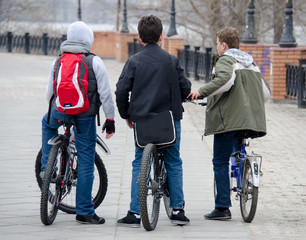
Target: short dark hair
x=149 y=29
x=230 y=36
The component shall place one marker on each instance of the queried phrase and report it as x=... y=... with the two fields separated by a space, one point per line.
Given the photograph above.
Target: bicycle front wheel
x=249 y=194
x=99 y=188
x=51 y=185
x=148 y=187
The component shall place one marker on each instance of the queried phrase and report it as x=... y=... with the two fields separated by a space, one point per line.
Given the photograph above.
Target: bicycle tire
x=249 y=194
x=148 y=185
x=166 y=198
x=98 y=194
x=50 y=190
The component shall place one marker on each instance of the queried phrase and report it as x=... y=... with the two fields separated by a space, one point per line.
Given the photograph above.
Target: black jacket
x=147 y=75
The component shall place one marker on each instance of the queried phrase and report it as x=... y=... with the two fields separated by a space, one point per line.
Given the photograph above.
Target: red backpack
x=70 y=84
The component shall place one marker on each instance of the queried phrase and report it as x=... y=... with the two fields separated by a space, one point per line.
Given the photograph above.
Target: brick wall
x=173 y=44
x=115 y=44
x=122 y=45
x=279 y=58
x=272 y=60
x=104 y=44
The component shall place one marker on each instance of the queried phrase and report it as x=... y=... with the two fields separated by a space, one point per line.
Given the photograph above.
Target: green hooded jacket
x=236 y=96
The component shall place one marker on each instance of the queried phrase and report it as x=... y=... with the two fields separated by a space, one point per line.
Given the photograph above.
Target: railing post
x=124 y=28
x=9 y=41
x=195 y=63
x=302 y=90
x=207 y=63
x=249 y=35
x=288 y=39
x=172 y=28
x=45 y=43
x=27 y=43
x=186 y=55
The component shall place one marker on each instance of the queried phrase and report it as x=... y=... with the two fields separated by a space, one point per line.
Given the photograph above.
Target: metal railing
x=134 y=47
x=31 y=44
x=196 y=62
x=296 y=83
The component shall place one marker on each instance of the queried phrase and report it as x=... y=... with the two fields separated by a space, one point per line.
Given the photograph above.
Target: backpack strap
x=98 y=118
x=90 y=57
x=49 y=109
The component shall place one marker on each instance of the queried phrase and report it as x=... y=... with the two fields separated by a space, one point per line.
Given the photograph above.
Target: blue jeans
x=173 y=164
x=85 y=142
x=224 y=145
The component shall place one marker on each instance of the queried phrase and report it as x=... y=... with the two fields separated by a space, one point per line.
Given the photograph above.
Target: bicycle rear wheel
x=249 y=195
x=166 y=198
x=51 y=185
x=148 y=186
x=99 y=188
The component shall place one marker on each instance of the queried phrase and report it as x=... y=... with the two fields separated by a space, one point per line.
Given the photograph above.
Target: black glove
x=109 y=125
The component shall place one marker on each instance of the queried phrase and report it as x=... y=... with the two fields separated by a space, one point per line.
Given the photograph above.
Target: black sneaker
x=178 y=217
x=219 y=214
x=92 y=220
x=131 y=220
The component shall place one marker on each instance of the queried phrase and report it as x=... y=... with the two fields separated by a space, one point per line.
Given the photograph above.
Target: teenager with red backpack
x=78 y=85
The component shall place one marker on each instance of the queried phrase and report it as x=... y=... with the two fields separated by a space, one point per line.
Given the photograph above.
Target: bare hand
x=194 y=95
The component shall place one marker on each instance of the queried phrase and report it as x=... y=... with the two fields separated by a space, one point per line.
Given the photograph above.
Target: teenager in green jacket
x=235 y=110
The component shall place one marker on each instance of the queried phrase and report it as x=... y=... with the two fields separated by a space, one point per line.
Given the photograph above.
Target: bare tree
x=200 y=20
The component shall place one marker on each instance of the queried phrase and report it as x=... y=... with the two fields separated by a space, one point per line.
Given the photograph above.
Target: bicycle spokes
x=149 y=188
x=249 y=193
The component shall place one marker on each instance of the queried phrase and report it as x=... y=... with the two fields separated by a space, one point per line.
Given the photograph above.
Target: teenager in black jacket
x=144 y=89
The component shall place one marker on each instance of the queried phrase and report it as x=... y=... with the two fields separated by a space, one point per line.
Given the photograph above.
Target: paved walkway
x=282 y=200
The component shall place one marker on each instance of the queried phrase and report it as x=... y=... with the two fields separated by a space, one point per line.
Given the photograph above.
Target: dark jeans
x=173 y=164
x=224 y=145
x=85 y=142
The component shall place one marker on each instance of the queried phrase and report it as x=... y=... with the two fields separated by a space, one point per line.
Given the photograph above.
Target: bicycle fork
x=161 y=178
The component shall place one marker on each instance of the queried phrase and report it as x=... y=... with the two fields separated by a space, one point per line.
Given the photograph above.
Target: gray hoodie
x=79 y=40
x=241 y=57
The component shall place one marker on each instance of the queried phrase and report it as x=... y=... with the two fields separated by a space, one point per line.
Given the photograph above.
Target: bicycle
x=58 y=186
x=244 y=176
x=153 y=186
x=245 y=172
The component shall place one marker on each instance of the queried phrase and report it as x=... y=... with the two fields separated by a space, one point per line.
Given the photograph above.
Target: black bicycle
x=58 y=186
x=153 y=186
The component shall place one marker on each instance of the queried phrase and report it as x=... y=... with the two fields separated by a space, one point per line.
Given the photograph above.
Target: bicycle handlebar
x=195 y=101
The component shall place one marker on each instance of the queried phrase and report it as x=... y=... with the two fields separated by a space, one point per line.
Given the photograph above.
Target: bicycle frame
x=68 y=139
x=161 y=175
x=236 y=169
